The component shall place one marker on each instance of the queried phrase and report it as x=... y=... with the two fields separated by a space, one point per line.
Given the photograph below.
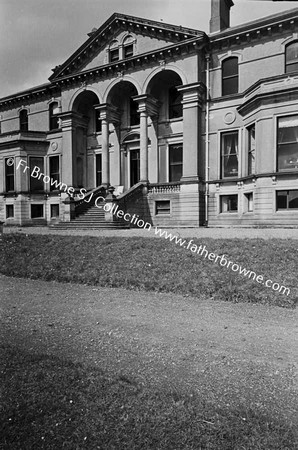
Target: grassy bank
x=156 y=264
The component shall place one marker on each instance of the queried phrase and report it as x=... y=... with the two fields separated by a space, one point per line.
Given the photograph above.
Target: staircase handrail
x=131 y=191
x=96 y=190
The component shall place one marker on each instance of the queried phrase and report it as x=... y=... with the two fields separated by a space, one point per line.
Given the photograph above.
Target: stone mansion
x=180 y=127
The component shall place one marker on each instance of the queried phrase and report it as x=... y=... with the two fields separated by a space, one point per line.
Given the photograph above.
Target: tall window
x=98 y=170
x=175 y=105
x=134 y=114
x=175 y=162
x=287 y=143
x=230 y=76
x=36 y=181
x=23 y=120
x=54 y=172
x=54 y=120
x=229 y=154
x=292 y=57
x=251 y=149
x=9 y=175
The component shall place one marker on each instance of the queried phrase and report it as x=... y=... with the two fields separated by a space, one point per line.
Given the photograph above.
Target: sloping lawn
x=157 y=265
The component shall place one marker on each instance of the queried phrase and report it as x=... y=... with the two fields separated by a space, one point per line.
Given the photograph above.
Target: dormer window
x=114 y=52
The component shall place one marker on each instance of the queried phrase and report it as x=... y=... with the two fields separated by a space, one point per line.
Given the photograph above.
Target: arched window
x=128 y=46
x=292 y=57
x=54 y=120
x=230 y=76
x=114 y=51
x=23 y=116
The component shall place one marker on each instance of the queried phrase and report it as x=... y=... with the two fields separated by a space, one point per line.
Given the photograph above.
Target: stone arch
x=79 y=91
x=168 y=67
x=126 y=78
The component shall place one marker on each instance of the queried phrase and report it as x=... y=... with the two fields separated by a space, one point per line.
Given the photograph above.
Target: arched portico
x=80 y=126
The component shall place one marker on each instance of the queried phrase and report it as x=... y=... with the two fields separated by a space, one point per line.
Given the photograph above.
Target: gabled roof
x=98 y=38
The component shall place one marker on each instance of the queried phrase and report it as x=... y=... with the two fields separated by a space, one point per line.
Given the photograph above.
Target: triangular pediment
x=132 y=37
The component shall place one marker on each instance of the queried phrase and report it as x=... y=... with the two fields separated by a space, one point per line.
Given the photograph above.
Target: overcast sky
x=37 y=35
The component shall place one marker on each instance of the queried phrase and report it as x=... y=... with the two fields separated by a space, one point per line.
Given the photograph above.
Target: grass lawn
x=95 y=368
x=156 y=265
x=52 y=403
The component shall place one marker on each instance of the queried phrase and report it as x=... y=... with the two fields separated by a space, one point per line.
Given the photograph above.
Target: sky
x=37 y=35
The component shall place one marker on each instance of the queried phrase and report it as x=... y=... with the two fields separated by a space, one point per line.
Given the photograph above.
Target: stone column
x=69 y=121
x=193 y=96
x=143 y=146
x=108 y=114
x=148 y=106
x=105 y=152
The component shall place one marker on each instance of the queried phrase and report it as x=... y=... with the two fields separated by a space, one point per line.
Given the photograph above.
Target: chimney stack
x=220 y=15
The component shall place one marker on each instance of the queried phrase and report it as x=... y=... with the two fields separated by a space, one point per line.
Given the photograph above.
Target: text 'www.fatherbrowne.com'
x=222 y=260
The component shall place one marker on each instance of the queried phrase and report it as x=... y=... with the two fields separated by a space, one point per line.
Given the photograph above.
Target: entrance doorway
x=134 y=166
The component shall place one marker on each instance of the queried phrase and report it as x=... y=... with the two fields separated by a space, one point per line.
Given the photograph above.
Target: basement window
x=162 y=207
x=36 y=211
x=228 y=203
x=9 y=211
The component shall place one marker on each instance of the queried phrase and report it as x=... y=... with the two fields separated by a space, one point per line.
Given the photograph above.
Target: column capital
x=72 y=119
x=194 y=94
x=147 y=103
x=108 y=112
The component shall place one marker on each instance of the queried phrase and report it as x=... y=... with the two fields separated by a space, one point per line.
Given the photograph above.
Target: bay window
x=287 y=143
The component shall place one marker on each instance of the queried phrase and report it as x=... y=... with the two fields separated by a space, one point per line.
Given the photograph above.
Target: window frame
x=113 y=51
x=98 y=173
x=279 y=144
x=175 y=163
x=228 y=211
x=287 y=208
x=23 y=121
x=9 y=174
x=53 y=174
x=291 y=62
x=159 y=212
x=37 y=181
x=43 y=211
x=53 y=119
x=229 y=77
x=249 y=199
x=223 y=156
x=8 y=216
x=52 y=206
x=251 y=151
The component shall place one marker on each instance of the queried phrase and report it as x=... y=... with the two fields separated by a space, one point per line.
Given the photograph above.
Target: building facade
x=189 y=129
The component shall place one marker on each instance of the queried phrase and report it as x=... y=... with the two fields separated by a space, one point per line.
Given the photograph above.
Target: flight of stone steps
x=92 y=218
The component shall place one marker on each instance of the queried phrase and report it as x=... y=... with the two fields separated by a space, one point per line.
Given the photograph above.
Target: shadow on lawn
x=52 y=403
